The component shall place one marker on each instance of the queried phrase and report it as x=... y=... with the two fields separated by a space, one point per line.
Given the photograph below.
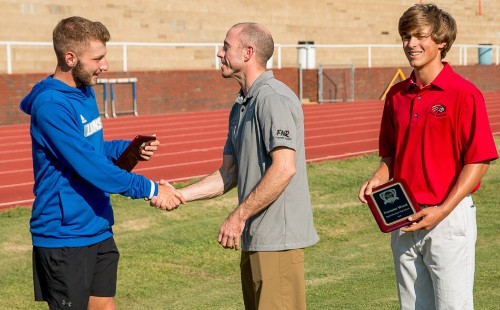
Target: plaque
x=391 y=204
x=131 y=156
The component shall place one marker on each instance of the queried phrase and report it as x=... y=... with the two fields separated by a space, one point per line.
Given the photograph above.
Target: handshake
x=168 y=197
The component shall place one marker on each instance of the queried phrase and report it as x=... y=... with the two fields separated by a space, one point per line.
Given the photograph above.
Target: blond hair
x=443 y=28
x=75 y=34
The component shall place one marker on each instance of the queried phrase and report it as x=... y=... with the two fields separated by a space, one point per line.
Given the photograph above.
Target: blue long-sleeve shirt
x=73 y=167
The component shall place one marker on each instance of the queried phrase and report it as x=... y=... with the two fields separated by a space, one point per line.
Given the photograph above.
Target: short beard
x=82 y=77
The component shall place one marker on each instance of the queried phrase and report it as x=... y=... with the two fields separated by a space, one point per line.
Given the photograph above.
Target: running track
x=191 y=143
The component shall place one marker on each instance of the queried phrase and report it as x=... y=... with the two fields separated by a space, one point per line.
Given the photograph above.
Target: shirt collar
x=442 y=80
x=261 y=80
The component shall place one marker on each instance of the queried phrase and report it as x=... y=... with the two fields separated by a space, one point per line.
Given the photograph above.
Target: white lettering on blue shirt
x=93 y=127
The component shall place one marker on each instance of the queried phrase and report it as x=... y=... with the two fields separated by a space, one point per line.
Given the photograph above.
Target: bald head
x=258 y=36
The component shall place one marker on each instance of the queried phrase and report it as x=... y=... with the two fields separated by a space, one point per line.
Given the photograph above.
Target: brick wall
x=12 y=89
x=196 y=90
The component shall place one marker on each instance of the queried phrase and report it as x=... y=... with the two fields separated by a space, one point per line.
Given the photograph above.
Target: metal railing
x=463 y=51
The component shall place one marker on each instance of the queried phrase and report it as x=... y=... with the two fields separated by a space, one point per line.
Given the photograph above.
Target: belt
x=467 y=199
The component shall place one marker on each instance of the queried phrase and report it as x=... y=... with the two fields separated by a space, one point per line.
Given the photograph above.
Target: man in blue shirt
x=75 y=258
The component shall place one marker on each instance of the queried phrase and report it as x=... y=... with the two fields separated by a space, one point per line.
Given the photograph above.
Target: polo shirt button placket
x=419 y=98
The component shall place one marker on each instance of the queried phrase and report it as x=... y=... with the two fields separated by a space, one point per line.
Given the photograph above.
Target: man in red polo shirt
x=435 y=136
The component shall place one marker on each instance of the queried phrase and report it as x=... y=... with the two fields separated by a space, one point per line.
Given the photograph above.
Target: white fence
x=286 y=55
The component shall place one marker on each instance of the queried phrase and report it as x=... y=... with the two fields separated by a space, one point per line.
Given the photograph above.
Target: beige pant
x=273 y=280
x=435 y=268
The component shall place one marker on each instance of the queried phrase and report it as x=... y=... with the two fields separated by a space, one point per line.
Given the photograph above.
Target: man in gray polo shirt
x=264 y=156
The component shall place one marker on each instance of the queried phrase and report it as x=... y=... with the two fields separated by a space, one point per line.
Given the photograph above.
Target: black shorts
x=66 y=277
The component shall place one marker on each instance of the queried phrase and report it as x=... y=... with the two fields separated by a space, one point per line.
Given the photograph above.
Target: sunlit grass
x=172 y=260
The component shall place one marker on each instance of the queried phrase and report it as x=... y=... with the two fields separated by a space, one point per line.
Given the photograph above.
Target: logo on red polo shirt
x=438 y=110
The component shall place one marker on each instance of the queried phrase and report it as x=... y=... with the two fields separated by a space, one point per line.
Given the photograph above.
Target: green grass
x=173 y=261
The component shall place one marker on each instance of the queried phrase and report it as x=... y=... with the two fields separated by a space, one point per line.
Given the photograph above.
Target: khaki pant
x=435 y=268
x=273 y=280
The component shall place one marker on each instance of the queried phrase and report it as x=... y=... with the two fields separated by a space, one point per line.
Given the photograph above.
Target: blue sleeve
x=61 y=134
x=114 y=148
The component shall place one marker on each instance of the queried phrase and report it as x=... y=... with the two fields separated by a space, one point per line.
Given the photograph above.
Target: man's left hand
x=427 y=218
x=230 y=231
x=148 y=150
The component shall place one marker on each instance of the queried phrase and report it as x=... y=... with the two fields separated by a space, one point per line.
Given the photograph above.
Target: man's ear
x=249 y=52
x=71 y=59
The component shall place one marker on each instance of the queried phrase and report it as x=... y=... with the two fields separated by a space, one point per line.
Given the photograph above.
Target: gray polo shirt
x=271 y=116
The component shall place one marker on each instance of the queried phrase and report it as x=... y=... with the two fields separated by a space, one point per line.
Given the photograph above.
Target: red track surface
x=191 y=143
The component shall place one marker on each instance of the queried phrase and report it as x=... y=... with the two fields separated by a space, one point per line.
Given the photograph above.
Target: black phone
x=131 y=156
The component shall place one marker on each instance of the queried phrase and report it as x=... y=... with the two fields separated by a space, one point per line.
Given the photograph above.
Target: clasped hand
x=168 y=197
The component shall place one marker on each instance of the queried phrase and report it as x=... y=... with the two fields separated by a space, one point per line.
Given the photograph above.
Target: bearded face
x=83 y=76
x=90 y=64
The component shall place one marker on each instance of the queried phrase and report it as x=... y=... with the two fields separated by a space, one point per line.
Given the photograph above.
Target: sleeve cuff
x=154 y=189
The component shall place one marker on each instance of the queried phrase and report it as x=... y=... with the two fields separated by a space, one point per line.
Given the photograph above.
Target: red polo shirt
x=431 y=133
